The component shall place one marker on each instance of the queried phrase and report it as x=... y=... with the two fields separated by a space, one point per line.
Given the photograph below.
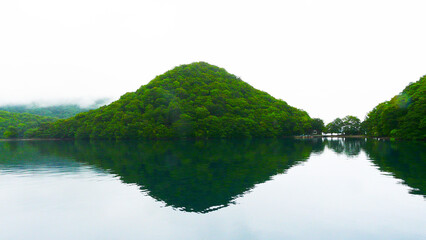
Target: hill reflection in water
x=194 y=176
x=405 y=160
x=203 y=176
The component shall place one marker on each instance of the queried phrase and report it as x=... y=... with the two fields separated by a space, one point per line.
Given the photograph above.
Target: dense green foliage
x=317 y=125
x=195 y=100
x=19 y=125
x=349 y=125
x=58 y=111
x=404 y=116
x=335 y=126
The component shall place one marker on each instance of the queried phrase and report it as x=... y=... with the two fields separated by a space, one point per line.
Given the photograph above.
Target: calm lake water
x=215 y=189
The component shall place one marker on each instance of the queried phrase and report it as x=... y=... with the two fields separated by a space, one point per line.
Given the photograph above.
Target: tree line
x=349 y=125
x=21 y=125
x=402 y=117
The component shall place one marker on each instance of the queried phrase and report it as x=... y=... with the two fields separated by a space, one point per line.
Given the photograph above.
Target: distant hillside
x=404 y=116
x=194 y=100
x=19 y=125
x=58 y=111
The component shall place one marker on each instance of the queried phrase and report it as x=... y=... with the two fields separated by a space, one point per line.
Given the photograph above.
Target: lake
x=213 y=189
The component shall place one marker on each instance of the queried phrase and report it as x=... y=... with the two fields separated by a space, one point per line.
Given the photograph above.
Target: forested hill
x=58 y=111
x=404 y=116
x=20 y=125
x=194 y=100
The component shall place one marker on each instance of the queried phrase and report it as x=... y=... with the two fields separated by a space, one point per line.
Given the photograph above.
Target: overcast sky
x=330 y=58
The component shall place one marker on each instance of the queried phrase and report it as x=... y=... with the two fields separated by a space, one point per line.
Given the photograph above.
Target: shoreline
x=34 y=139
x=341 y=136
x=295 y=137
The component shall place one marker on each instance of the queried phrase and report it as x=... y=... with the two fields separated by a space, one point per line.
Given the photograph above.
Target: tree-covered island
x=197 y=100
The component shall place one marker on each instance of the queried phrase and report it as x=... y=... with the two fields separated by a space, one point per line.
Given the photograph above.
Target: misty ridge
x=58 y=109
x=20 y=120
x=82 y=102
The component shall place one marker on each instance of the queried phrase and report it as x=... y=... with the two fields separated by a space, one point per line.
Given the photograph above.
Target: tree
x=351 y=125
x=335 y=126
x=11 y=132
x=317 y=125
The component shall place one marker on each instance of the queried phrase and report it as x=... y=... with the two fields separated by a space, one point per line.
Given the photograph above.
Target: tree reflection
x=194 y=176
x=348 y=146
x=405 y=160
x=203 y=176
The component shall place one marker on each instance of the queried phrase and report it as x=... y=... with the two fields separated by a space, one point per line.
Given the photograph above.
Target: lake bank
x=295 y=137
x=341 y=136
x=33 y=139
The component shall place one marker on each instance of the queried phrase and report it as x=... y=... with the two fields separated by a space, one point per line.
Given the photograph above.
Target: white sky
x=330 y=58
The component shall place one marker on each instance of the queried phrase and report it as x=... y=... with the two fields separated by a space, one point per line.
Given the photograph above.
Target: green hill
x=194 y=100
x=404 y=116
x=19 y=125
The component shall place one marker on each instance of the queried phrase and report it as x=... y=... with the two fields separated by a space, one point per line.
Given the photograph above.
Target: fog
x=82 y=102
x=330 y=58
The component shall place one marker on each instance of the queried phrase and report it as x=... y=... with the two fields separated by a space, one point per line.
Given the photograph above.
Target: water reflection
x=194 y=176
x=405 y=160
x=348 y=146
x=203 y=176
x=29 y=157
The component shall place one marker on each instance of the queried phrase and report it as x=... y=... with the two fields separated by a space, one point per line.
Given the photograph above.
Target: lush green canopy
x=19 y=125
x=404 y=116
x=349 y=125
x=317 y=125
x=195 y=100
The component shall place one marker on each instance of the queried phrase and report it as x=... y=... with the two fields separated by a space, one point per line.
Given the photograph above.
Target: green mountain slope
x=19 y=125
x=404 y=116
x=194 y=100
